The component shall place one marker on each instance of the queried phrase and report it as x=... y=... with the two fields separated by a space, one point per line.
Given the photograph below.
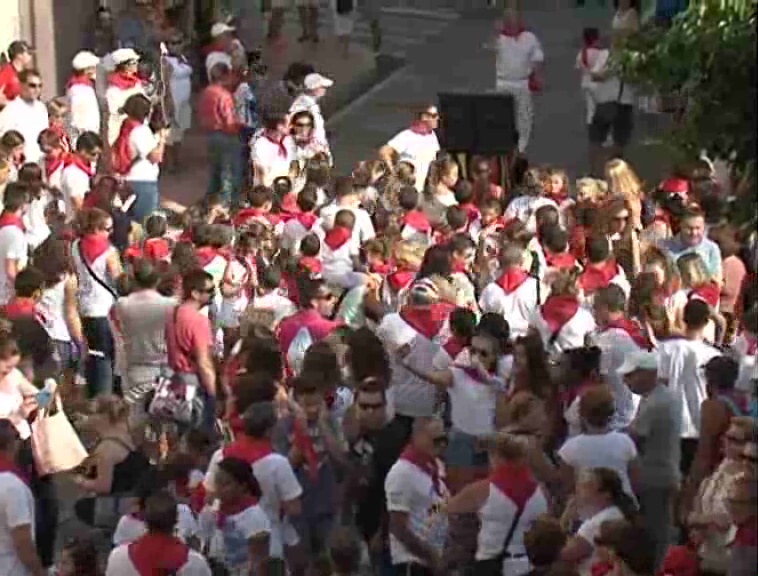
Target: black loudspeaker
x=478 y=123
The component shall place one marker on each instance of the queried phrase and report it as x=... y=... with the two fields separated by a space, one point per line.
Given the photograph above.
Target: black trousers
x=411 y=569
x=45 y=506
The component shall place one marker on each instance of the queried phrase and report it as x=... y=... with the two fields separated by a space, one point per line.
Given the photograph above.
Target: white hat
x=123 y=55
x=315 y=81
x=84 y=60
x=639 y=360
x=220 y=28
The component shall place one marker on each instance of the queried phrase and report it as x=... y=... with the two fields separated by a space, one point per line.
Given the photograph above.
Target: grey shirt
x=658 y=424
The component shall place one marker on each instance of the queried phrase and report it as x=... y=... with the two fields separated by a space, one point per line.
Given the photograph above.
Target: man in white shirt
x=84 y=107
x=348 y=198
x=18 y=554
x=681 y=368
x=315 y=86
x=14 y=249
x=417 y=144
x=77 y=176
x=26 y=114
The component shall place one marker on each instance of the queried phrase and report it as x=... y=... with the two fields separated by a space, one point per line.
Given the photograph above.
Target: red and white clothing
x=472 y=400
x=562 y=324
x=278 y=303
x=75 y=182
x=415 y=227
x=274 y=156
x=28 y=118
x=419 y=146
x=681 y=368
x=514 y=296
x=242 y=273
x=13 y=246
x=94 y=300
x=298 y=332
x=587 y=62
x=10 y=85
x=17 y=504
x=511 y=488
x=395 y=287
x=120 y=88
x=338 y=251
x=83 y=106
x=275 y=477
x=230 y=529
x=616 y=341
x=744 y=350
x=156 y=554
x=415 y=485
x=363 y=229
x=132 y=527
x=597 y=276
x=297 y=228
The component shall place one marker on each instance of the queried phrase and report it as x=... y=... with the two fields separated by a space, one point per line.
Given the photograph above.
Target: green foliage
x=707 y=60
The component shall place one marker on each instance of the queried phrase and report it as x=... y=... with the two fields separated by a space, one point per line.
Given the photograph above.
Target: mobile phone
x=43 y=398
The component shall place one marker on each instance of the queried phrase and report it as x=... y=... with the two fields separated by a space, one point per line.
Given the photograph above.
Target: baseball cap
x=123 y=55
x=315 y=81
x=639 y=360
x=220 y=28
x=18 y=47
x=84 y=60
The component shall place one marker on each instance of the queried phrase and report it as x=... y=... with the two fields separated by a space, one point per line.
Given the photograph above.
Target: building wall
x=10 y=23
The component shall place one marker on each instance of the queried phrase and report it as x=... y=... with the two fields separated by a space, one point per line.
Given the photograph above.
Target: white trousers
x=524 y=111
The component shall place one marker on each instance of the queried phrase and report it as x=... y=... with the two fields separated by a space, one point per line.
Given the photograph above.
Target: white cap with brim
x=315 y=81
x=123 y=55
x=639 y=360
x=220 y=28
x=84 y=60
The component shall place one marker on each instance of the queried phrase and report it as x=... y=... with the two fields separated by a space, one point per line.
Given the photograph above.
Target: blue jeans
x=226 y=166
x=147 y=201
x=98 y=370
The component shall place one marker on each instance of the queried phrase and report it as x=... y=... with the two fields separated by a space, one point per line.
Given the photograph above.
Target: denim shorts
x=462 y=450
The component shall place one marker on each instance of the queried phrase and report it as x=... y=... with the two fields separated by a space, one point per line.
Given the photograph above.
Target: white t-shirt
x=612 y=450
x=472 y=403
x=75 y=183
x=524 y=209
x=418 y=149
x=84 y=113
x=230 y=543
x=12 y=400
x=410 y=490
x=517 y=307
x=586 y=69
x=337 y=264
x=119 y=564
x=741 y=353
x=363 y=229
x=294 y=231
x=681 y=367
x=515 y=59
x=130 y=528
x=142 y=141
x=13 y=246
x=16 y=509
x=278 y=484
x=217 y=57
x=571 y=334
x=610 y=89
x=590 y=529
x=279 y=304
x=29 y=119
x=267 y=154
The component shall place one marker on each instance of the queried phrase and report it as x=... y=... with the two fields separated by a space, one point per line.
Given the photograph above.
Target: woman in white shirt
x=137 y=154
x=600 y=497
x=439 y=195
x=179 y=74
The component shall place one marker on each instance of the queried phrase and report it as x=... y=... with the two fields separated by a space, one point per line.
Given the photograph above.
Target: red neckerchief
x=78 y=161
x=472 y=212
x=475 y=374
x=746 y=535
x=401 y=278
x=421 y=128
x=632 y=329
x=458 y=267
x=561 y=260
x=558 y=310
x=306 y=219
x=19 y=308
x=512 y=30
x=205 y=255
x=337 y=237
x=512 y=279
x=559 y=197
x=281 y=148
x=516 y=481
x=248 y=449
x=58 y=130
x=7 y=465
x=597 y=276
x=156 y=249
x=381 y=268
x=227 y=509
x=569 y=395
x=123 y=81
x=252 y=213
x=11 y=219
x=121 y=152
x=454 y=346
x=310 y=264
x=426 y=320
x=79 y=80
x=600 y=568
x=56 y=162
x=427 y=464
x=92 y=246
x=585 y=51
x=302 y=440
x=197 y=498
x=710 y=293
x=214 y=46
x=158 y=555
x=417 y=220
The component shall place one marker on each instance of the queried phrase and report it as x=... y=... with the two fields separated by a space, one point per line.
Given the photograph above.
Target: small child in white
x=586 y=63
x=271 y=296
x=340 y=253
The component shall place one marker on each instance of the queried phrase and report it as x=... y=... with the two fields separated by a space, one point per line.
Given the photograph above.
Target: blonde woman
x=696 y=283
x=623 y=181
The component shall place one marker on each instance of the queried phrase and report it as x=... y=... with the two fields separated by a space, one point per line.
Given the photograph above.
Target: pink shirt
x=318 y=326
x=734 y=274
x=187 y=330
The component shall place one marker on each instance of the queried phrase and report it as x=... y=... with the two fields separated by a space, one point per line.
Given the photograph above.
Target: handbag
x=55 y=444
x=494 y=566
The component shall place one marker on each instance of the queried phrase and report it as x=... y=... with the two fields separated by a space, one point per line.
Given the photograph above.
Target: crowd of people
x=405 y=370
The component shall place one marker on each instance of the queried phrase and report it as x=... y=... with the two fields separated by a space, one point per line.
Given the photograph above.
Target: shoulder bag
x=94 y=276
x=494 y=566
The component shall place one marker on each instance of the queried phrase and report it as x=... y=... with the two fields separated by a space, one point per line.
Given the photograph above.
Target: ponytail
x=609 y=482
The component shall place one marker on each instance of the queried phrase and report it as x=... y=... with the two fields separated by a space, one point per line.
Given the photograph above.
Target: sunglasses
x=109 y=229
x=34 y=85
x=325 y=297
x=370 y=406
x=303 y=125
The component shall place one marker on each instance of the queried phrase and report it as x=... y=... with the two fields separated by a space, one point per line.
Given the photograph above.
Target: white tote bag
x=55 y=444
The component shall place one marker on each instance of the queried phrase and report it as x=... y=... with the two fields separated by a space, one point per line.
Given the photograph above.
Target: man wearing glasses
x=417 y=144
x=26 y=114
